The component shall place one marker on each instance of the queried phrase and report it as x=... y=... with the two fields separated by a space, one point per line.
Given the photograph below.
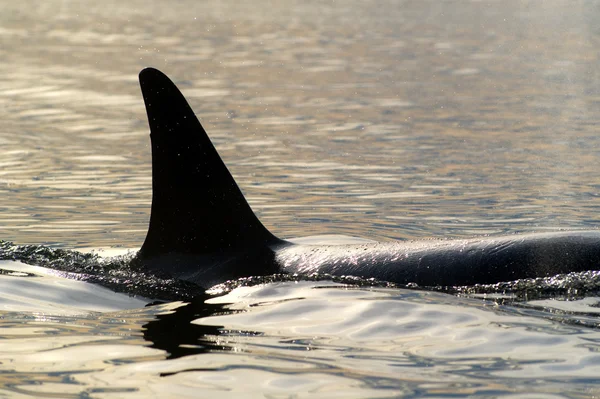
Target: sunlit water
x=373 y=119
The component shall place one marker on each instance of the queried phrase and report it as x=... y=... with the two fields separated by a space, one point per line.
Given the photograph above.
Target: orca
x=202 y=229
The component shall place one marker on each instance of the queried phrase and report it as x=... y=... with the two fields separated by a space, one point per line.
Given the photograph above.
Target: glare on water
x=382 y=120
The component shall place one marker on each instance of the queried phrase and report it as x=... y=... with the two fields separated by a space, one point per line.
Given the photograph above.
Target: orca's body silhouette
x=203 y=230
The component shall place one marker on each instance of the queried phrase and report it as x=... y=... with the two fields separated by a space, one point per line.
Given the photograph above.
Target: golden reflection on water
x=40 y=354
x=395 y=119
x=408 y=120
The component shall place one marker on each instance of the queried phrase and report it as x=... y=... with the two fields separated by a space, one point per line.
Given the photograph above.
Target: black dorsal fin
x=197 y=208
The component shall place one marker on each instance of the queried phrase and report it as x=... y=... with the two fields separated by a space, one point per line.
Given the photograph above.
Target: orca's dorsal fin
x=197 y=208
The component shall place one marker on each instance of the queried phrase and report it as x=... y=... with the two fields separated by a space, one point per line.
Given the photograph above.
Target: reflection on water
x=401 y=120
x=390 y=119
x=174 y=333
x=42 y=354
x=303 y=340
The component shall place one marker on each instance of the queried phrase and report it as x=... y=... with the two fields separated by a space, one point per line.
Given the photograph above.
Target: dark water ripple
x=118 y=273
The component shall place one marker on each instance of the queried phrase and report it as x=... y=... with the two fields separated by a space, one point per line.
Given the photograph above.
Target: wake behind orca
x=202 y=229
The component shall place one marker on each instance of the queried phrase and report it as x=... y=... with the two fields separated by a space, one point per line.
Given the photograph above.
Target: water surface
x=383 y=120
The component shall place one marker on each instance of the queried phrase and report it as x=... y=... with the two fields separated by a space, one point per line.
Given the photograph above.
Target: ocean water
x=374 y=119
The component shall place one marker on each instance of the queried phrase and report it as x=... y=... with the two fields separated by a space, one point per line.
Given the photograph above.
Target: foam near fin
x=197 y=208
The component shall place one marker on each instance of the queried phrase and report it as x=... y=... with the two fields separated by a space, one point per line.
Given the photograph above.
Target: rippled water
x=391 y=119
